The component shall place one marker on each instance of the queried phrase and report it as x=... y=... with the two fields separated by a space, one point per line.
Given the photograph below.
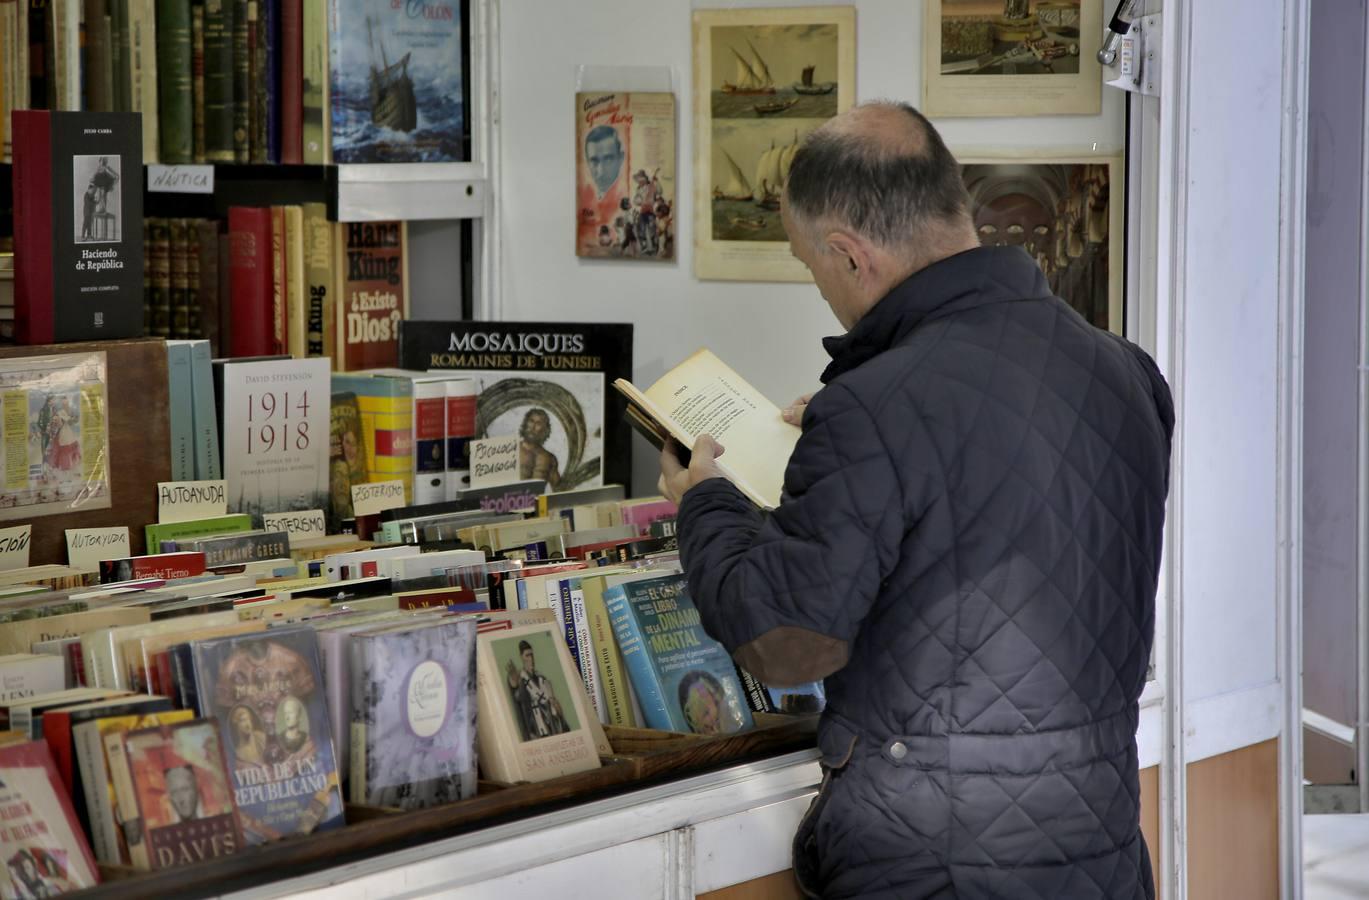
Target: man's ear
x=855 y=250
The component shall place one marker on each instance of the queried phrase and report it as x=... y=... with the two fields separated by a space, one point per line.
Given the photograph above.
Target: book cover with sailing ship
x=395 y=81
x=766 y=78
x=625 y=176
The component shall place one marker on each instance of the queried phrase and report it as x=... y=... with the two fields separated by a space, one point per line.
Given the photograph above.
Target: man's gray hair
x=893 y=192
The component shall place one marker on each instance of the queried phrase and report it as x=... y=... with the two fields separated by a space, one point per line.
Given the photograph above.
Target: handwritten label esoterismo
x=297 y=523
x=14 y=547
x=186 y=501
x=375 y=497
x=494 y=461
x=87 y=546
x=180 y=179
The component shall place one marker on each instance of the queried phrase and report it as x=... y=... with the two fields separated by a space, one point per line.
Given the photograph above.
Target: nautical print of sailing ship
x=753 y=75
x=772 y=170
x=392 y=90
x=807 y=85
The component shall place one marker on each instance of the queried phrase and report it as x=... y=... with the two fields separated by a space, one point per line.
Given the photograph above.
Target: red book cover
x=373 y=294
x=44 y=849
x=280 y=335
x=249 y=267
x=161 y=565
x=437 y=597
x=292 y=82
x=58 y=725
x=77 y=180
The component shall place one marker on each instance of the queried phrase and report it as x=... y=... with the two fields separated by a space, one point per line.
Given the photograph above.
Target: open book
x=703 y=396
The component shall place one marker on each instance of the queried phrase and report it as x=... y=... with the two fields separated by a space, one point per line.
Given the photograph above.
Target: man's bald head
x=882 y=171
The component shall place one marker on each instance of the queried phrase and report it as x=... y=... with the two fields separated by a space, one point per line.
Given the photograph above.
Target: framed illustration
x=1012 y=58
x=1065 y=213
x=625 y=175
x=763 y=80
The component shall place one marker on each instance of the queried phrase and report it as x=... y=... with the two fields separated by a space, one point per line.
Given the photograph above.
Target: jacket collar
x=965 y=281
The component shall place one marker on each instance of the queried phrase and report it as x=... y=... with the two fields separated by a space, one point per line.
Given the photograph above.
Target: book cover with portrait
x=78 y=236
x=181 y=794
x=536 y=721
x=267 y=693
x=413 y=715
x=625 y=175
x=683 y=678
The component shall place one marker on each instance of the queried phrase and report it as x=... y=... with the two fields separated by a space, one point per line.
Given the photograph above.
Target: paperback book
x=266 y=691
x=41 y=842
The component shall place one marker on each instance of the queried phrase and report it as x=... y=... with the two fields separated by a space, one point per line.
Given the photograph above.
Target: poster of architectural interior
x=763 y=79
x=625 y=176
x=1012 y=57
x=1063 y=212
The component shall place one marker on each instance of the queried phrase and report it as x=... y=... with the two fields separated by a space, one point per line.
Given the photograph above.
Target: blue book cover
x=413 y=738
x=208 y=466
x=182 y=411
x=683 y=678
x=266 y=690
x=395 y=76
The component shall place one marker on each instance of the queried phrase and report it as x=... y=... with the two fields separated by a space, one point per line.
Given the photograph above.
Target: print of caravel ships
x=772 y=169
x=392 y=90
x=753 y=75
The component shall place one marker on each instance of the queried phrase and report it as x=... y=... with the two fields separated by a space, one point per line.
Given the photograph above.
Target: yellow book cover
x=296 y=305
x=320 y=287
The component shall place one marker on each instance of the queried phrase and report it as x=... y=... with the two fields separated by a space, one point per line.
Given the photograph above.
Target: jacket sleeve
x=786 y=591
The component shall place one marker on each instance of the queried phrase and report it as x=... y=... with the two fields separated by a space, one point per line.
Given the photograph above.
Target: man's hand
x=793 y=413
x=676 y=480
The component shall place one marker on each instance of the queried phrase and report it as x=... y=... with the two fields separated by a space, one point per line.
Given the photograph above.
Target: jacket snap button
x=898 y=750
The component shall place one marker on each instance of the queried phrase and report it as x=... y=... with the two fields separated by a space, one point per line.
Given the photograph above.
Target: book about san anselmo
x=702 y=395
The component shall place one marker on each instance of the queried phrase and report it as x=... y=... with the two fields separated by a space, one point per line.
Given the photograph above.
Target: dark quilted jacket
x=975 y=508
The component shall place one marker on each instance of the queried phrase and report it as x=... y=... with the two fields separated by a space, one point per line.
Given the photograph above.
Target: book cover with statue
x=395 y=81
x=683 y=678
x=413 y=736
x=266 y=691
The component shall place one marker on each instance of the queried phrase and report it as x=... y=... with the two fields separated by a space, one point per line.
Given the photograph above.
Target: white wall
x=769 y=332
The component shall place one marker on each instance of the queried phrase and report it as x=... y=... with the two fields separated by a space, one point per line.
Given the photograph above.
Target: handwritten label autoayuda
x=186 y=501
x=87 y=546
x=375 y=497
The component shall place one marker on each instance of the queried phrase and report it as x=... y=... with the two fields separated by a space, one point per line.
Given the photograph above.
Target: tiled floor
x=1335 y=852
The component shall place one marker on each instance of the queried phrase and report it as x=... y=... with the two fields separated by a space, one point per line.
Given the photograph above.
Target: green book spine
x=242 y=81
x=180 y=531
x=174 y=97
x=218 y=81
x=99 y=73
x=315 y=28
x=197 y=77
x=261 y=77
x=119 y=54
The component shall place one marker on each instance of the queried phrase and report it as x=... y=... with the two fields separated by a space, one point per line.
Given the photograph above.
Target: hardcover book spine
x=258 y=42
x=209 y=283
x=296 y=329
x=318 y=241
x=291 y=54
x=39 y=66
x=461 y=398
x=218 y=81
x=192 y=278
x=179 y=280
x=119 y=55
x=159 y=252
x=197 y=78
x=314 y=99
x=373 y=294
x=33 y=232
x=270 y=104
x=250 y=272
x=207 y=464
x=148 y=299
x=144 y=87
x=65 y=16
x=182 y=411
x=242 y=81
x=636 y=657
x=280 y=329
x=430 y=434
x=175 y=101
x=99 y=73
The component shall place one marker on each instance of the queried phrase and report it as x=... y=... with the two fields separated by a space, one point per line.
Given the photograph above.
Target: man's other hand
x=676 y=480
x=793 y=413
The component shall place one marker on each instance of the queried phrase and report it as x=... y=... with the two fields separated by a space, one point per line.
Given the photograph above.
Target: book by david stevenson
x=41 y=842
x=684 y=679
x=395 y=80
x=178 y=787
x=413 y=715
x=78 y=237
x=545 y=381
x=266 y=691
x=275 y=435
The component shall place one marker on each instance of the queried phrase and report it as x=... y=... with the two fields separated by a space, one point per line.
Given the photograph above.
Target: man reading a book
x=966 y=548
